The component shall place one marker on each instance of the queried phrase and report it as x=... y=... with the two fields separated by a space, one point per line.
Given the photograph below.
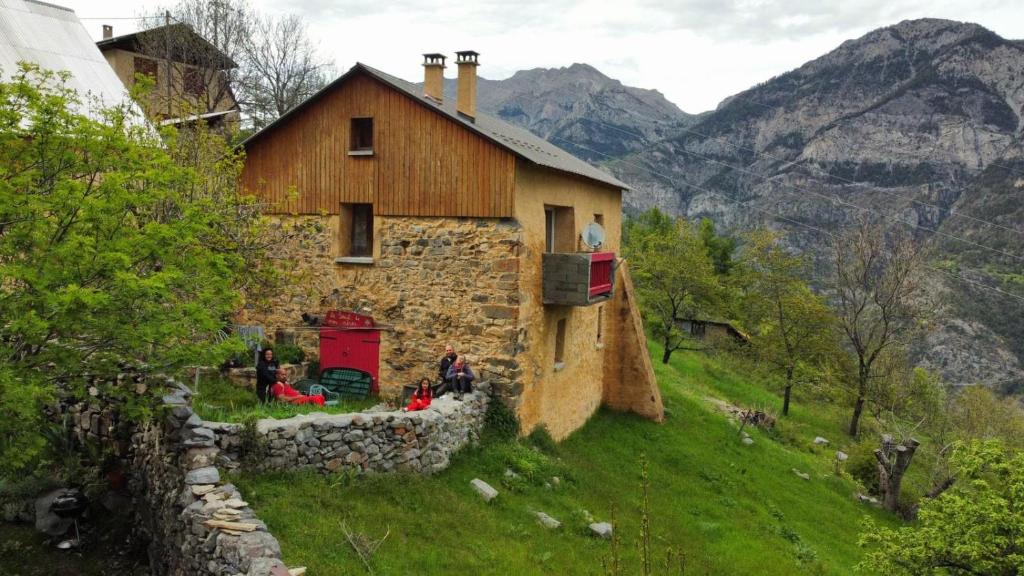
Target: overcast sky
x=696 y=52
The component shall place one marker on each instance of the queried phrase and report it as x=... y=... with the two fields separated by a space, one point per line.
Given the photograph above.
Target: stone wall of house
x=433 y=281
x=177 y=490
x=391 y=441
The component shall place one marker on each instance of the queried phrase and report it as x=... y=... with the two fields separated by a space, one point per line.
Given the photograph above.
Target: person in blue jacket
x=460 y=377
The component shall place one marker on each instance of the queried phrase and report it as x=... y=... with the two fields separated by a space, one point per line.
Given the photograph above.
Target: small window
x=549 y=229
x=599 y=218
x=145 y=66
x=361 y=136
x=600 y=324
x=356 y=231
x=560 y=343
x=559 y=229
x=195 y=84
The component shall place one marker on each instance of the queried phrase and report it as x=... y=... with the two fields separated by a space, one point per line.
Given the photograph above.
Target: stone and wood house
x=450 y=226
x=189 y=74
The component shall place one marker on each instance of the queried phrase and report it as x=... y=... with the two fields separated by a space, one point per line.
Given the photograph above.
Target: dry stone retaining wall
x=376 y=442
x=176 y=489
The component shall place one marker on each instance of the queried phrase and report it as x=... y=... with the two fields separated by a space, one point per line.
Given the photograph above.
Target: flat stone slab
x=547 y=521
x=207 y=475
x=820 y=441
x=601 y=529
x=485 y=490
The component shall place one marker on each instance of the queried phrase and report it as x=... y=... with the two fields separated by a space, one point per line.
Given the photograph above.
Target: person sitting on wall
x=266 y=373
x=460 y=377
x=282 y=391
x=421 y=397
x=446 y=361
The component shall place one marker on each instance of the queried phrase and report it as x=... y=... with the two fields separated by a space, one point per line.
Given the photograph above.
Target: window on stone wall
x=559 y=229
x=560 y=344
x=355 y=233
x=145 y=66
x=194 y=82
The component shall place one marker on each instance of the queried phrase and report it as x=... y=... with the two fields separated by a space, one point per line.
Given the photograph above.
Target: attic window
x=195 y=84
x=145 y=66
x=361 y=143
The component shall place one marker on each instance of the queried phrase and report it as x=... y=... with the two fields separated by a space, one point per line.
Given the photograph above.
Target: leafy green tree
x=792 y=328
x=720 y=249
x=675 y=279
x=110 y=253
x=975 y=527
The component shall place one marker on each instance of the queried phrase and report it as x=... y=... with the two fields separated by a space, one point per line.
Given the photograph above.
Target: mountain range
x=918 y=124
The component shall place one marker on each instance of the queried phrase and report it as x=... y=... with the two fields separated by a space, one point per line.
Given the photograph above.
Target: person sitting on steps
x=460 y=377
x=283 y=392
x=421 y=397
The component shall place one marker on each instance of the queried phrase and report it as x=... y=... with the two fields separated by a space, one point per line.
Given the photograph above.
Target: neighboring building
x=702 y=329
x=190 y=75
x=53 y=38
x=450 y=226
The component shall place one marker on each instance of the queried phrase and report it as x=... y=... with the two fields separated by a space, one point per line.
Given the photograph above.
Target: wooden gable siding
x=424 y=164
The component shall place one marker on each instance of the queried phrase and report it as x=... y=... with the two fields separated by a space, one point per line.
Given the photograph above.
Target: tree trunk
x=667 y=353
x=893 y=461
x=789 y=389
x=858 y=407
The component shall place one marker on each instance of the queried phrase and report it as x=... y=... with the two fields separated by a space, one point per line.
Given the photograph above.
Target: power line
x=840 y=118
x=781 y=217
x=836 y=200
x=788 y=163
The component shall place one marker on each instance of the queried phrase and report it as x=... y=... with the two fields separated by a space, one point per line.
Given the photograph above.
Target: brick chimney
x=108 y=31
x=433 y=76
x=466 y=102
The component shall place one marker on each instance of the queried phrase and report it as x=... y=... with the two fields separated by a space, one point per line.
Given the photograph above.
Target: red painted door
x=349 y=340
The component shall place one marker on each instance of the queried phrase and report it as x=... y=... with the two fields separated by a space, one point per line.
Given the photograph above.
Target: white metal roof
x=55 y=39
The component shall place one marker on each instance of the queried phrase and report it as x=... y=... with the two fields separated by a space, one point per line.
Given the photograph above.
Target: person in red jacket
x=421 y=397
x=282 y=391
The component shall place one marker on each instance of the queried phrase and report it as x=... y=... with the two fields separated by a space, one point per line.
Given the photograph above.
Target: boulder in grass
x=601 y=530
x=803 y=475
x=748 y=441
x=842 y=456
x=820 y=441
x=485 y=490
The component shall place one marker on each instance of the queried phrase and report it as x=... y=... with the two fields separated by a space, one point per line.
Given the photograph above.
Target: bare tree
x=878 y=289
x=206 y=39
x=266 y=64
x=283 y=68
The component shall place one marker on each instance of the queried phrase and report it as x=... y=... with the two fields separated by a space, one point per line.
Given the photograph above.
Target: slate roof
x=54 y=38
x=516 y=140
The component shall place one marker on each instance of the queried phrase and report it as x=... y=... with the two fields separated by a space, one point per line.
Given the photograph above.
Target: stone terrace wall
x=379 y=442
x=434 y=280
x=175 y=490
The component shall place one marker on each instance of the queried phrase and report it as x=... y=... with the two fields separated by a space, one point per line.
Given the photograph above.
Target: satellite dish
x=593 y=235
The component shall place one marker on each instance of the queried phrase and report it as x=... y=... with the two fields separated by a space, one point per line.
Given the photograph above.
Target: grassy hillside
x=724 y=507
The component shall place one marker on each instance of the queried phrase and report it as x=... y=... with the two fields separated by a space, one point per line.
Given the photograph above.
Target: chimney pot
x=108 y=31
x=433 y=76
x=467 y=61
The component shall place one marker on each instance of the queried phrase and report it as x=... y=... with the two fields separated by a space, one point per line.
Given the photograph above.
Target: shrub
x=500 y=422
x=541 y=439
x=252 y=447
x=289 y=354
x=862 y=465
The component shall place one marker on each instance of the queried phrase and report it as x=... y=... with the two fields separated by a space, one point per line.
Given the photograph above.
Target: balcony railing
x=578 y=278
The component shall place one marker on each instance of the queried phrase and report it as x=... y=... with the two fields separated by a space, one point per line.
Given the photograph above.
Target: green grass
x=725 y=507
x=220 y=400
